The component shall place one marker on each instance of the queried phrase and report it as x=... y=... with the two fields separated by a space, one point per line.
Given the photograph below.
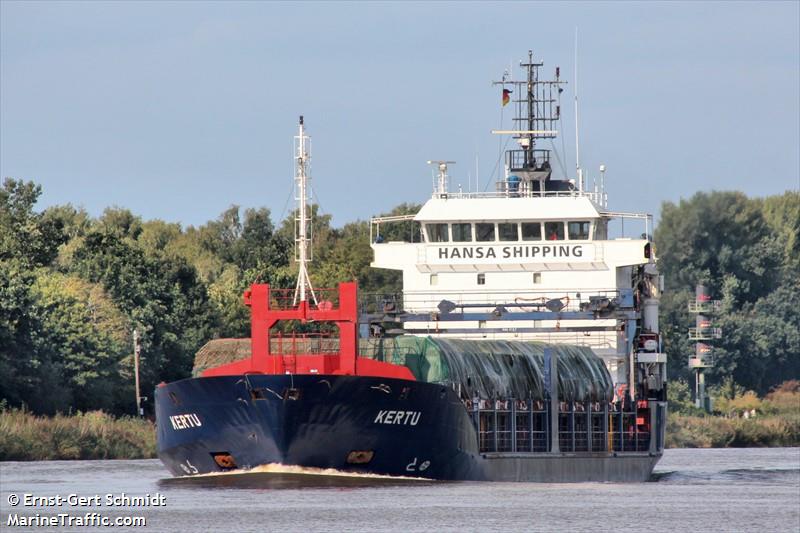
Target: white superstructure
x=532 y=259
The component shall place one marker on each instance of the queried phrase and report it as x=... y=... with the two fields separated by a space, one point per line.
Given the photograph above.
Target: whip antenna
x=577 y=143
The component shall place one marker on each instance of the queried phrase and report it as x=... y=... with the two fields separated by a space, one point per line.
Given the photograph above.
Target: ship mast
x=536 y=116
x=303 y=218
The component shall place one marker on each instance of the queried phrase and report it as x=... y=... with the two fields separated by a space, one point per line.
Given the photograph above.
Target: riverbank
x=98 y=435
x=740 y=419
x=720 y=432
x=92 y=435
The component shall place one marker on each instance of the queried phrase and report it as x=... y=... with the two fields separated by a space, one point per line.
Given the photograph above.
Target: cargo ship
x=524 y=345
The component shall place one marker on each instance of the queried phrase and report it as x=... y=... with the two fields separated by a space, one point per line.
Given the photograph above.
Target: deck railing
x=293 y=343
x=322 y=299
x=480 y=300
x=523 y=426
x=412 y=234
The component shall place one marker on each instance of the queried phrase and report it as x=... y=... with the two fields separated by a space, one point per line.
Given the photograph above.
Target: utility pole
x=137 y=349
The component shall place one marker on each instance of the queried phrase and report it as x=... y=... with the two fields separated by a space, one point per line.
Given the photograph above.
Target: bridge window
x=554 y=231
x=578 y=231
x=507 y=232
x=531 y=231
x=484 y=232
x=481 y=279
x=462 y=232
x=437 y=232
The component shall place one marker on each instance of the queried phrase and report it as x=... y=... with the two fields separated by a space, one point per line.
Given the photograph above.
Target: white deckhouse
x=533 y=259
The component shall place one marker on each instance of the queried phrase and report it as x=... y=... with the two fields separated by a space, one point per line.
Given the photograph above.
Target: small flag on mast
x=506 y=97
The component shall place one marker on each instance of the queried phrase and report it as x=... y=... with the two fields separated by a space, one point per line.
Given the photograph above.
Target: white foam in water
x=277 y=468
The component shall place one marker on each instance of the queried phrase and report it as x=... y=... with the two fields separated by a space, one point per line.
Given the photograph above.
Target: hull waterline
x=352 y=424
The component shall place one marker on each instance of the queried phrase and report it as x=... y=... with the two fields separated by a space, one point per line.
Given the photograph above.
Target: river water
x=701 y=490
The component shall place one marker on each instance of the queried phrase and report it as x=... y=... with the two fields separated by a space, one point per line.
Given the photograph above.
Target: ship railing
x=522 y=160
x=402 y=229
x=508 y=189
x=596 y=341
x=626 y=433
x=635 y=232
x=318 y=299
x=510 y=425
x=599 y=428
x=523 y=426
x=513 y=300
x=522 y=431
x=406 y=230
x=296 y=343
x=383 y=349
x=573 y=427
x=293 y=343
x=530 y=430
x=380 y=302
x=503 y=432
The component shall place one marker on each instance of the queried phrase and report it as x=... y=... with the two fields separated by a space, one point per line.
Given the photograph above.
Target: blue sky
x=178 y=110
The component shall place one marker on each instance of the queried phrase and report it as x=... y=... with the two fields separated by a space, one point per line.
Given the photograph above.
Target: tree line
x=747 y=251
x=73 y=287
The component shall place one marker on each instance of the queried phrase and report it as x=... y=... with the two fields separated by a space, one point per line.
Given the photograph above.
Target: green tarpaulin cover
x=478 y=368
x=497 y=368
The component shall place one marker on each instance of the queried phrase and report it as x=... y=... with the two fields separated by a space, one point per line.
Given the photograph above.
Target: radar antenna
x=536 y=116
x=303 y=218
x=441 y=186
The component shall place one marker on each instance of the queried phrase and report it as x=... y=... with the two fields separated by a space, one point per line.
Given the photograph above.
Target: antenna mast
x=442 y=184
x=302 y=237
x=578 y=169
x=537 y=116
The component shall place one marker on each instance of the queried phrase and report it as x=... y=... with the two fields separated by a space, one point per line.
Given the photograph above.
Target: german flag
x=506 y=97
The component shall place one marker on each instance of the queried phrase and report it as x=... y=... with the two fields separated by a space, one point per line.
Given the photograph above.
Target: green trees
x=161 y=296
x=71 y=291
x=73 y=287
x=746 y=252
x=21 y=367
x=85 y=338
x=28 y=240
x=26 y=236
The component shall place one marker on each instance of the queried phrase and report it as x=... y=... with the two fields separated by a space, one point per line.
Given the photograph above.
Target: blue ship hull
x=352 y=423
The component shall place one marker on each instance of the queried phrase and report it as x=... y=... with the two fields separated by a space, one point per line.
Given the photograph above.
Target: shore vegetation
x=73 y=287
x=739 y=418
x=25 y=436
x=744 y=420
